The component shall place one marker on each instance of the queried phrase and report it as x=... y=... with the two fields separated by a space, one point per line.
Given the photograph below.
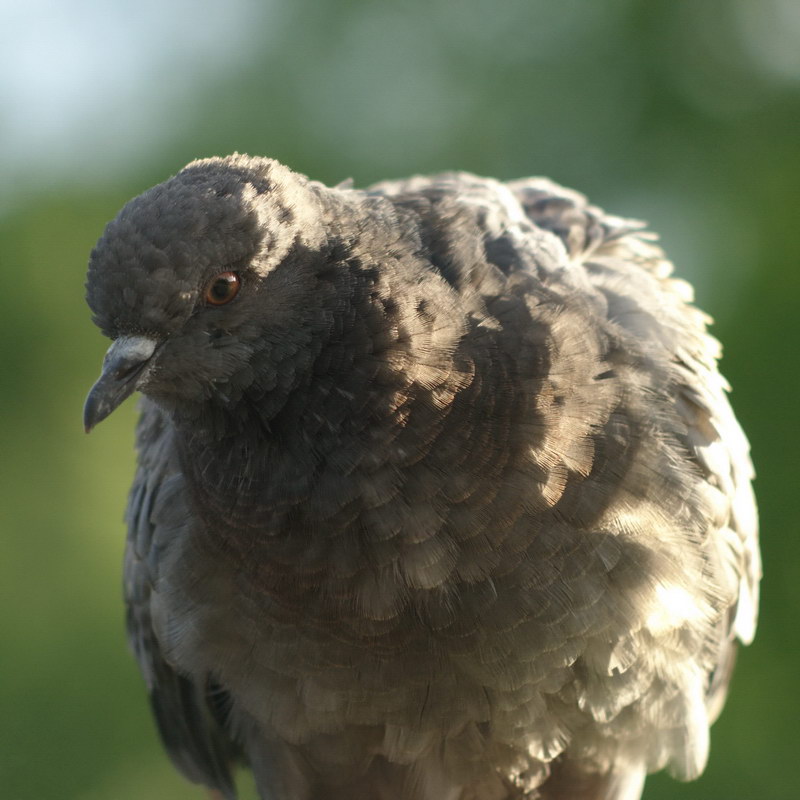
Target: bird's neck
x=291 y=457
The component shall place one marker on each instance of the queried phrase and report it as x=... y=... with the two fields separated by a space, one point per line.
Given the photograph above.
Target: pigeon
x=439 y=493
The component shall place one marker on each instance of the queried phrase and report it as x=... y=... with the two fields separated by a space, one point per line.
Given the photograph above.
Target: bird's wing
x=189 y=714
x=722 y=453
x=630 y=276
x=657 y=308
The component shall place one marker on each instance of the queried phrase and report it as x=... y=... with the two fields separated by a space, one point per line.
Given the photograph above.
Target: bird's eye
x=222 y=288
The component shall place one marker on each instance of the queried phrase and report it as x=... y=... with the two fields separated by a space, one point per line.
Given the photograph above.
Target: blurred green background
x=683 y=113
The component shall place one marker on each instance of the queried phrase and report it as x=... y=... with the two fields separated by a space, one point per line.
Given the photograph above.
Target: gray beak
x=123 y=364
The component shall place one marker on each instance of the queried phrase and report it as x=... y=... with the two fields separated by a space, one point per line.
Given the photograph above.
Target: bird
x=439 y=493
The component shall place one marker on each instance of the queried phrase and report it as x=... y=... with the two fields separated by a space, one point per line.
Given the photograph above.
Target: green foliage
x=663 y=109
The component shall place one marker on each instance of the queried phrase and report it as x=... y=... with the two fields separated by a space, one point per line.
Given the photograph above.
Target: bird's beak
x=122 y=366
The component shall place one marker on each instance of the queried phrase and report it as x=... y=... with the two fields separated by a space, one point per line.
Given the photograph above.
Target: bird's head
x=196 y=274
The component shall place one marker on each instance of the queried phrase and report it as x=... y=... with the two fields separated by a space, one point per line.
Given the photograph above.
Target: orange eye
x=223 y=288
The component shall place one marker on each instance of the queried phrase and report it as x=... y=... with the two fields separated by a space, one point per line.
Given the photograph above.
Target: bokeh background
x=683 y=113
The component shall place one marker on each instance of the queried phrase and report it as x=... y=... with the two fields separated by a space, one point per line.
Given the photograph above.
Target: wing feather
x=189 y=715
